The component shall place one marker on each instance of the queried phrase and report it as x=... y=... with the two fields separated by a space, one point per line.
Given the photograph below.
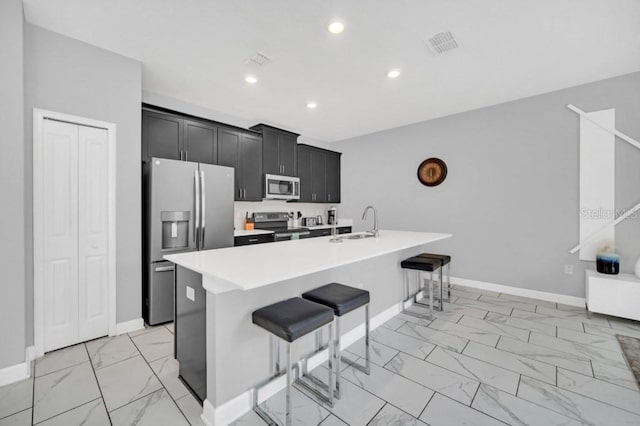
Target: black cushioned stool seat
x=292 y=318
x=342 y=299
x=289 y=320
x=445 y=258
x=423 y=264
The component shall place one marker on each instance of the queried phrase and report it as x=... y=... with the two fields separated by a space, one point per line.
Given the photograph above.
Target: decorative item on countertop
x=607 y=261
x=248 y=223
x=637 y=270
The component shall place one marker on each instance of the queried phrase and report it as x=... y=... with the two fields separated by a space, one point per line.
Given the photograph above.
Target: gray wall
x=12 y=250
x=65 y=75
x=511 y=197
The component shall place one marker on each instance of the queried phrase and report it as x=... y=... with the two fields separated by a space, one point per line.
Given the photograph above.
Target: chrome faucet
x=374 y=231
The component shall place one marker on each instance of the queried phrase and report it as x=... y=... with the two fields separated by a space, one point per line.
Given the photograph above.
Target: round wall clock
x=432 y=172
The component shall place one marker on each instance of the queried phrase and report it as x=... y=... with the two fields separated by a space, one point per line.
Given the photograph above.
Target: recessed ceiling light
x=395 y=73
x=312 y=105
x=251 y=79
x=336 y=27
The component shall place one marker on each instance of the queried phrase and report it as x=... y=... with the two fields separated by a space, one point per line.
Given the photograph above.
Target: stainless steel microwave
x=281 y=187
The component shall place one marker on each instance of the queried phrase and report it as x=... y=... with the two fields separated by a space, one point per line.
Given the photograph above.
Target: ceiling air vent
x=442 y=42
x=258 y=58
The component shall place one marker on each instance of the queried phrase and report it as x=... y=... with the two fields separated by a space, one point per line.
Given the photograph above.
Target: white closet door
x=60 y=239
x=93 y=204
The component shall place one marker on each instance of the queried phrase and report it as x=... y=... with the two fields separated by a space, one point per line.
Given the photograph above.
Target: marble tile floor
x=130 y=379
x=488 y=359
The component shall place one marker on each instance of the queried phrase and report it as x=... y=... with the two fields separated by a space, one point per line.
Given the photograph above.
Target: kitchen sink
x=358 y=236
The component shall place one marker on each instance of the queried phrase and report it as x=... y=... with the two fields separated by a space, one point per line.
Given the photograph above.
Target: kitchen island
x=240 y=280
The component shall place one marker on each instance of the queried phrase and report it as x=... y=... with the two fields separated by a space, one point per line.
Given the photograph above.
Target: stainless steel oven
x=281 y=187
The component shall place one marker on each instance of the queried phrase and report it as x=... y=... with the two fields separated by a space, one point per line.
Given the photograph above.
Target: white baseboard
x=129 y=326
x=523 y=292
x=17 y=372
x=243 y=403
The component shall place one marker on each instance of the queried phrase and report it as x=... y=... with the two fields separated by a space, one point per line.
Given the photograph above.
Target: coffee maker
x=331 y=216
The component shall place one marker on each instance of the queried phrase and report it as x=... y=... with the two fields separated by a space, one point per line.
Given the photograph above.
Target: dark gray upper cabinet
x=332 y=167
x=319 y=172
x=161 y=135
x=251 y=167
x=318 y=176
x=229 y=154
x=279 y=150
x=243 y=152
x=304 y=172
x=200 y=142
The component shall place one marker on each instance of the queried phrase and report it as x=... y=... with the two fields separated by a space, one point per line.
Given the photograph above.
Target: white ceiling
x=194 y=50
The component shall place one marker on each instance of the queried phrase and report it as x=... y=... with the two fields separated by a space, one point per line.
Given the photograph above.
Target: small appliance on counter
x=277 y=222
x=319 y=220
x=331 y=216
x=309 y=221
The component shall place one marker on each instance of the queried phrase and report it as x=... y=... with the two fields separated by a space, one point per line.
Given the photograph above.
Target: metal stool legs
x=292 y=374
x=413 y=296
x=338 y=352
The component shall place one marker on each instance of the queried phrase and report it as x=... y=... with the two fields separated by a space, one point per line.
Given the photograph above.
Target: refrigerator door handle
x=197 y=209
x=203 y=221
x=164 y=268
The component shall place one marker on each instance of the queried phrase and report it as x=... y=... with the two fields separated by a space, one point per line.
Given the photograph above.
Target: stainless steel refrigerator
x=189 y=207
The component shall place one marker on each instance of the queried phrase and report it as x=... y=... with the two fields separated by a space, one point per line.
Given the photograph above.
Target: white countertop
x=243 y=233
x=226 y=269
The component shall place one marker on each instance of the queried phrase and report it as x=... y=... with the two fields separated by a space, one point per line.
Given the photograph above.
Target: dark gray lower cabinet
x=246 y=240
x=327 y=231
x=190 y=329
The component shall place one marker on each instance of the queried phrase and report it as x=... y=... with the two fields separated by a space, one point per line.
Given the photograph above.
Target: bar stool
x=343 y=299
x=289 y=320
x=446 y=261
x=421 y=265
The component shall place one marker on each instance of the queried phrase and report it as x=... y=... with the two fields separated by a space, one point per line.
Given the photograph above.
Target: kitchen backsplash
x=307 y=209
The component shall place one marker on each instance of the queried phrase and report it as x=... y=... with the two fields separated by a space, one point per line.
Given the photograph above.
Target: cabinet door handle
x=244 y=193
x=186 y=156
x=253 y=240
x=329 y=197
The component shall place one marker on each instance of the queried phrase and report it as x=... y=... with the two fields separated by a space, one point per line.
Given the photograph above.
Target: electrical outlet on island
x=568 y=269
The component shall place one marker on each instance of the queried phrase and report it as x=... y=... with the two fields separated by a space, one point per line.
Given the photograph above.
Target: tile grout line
x=159 y=381
x=93 y=370
x=580 y=395
x=427 y=404
x=377 y=412
x=77 y=406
